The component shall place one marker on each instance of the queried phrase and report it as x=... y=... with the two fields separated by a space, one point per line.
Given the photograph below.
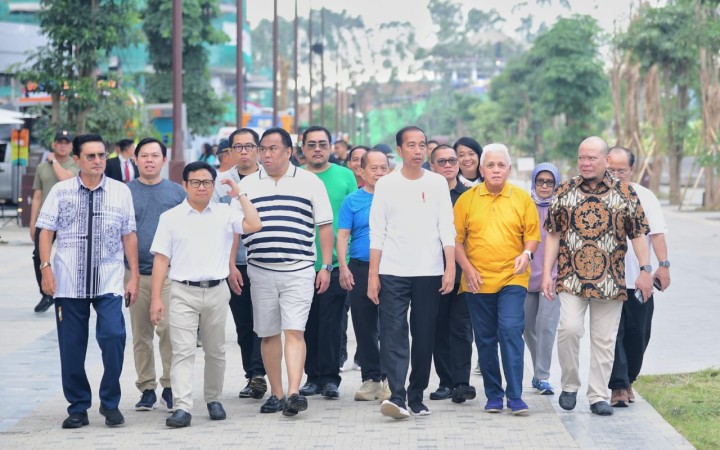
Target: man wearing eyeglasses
x=94 y=219
x=192 y=247
x=453 y=332
x=243 y=151
x=323 y=332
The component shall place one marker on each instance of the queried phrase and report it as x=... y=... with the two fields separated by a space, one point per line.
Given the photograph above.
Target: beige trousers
x=143 y=333
x=604 y=321
x=207 y=308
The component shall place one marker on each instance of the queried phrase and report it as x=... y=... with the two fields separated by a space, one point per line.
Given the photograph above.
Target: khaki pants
x=604 y=321
x=143 y=331
x=191 y=307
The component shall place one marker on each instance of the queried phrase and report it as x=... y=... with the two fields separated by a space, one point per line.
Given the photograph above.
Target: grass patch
x=690 y=402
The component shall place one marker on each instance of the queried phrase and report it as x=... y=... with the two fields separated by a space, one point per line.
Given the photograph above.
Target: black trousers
x=453 y=340
x=249 y=342
x=365 y=322
x=398 y=294
x=632 y=341
x=36 y=259
x=323 y=332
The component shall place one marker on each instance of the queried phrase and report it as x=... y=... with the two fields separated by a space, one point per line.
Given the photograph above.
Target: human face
x=244 y=151
x=431 y=146
x=445 y=163
x=200 y=195
x=376 y=167
x=469 y=162
x=495 y=170
x=413 y=149
x=354 y=163
x=150 y=160
x=619 y=166
x=61 y=148
x=274 y=155
x=92 y=158
x=341 y=150
x=591 y=162
x=317 y=149
x=548 y=187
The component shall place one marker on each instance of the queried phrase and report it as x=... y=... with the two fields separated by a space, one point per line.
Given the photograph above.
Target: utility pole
x=178 y=158
x=240 y=101
x=322 y=66
x=275 y=64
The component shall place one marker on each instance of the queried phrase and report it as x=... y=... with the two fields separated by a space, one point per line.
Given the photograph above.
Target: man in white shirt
x=411 y=228
x=194 y=240
x=636 y=318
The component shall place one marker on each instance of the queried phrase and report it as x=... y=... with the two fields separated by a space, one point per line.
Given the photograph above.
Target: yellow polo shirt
x=493 y=230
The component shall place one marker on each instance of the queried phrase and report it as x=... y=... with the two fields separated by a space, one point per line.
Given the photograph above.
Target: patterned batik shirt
x=89 y=225
x=594 y=226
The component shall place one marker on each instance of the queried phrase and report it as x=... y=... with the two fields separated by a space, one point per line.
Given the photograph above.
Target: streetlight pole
x=178 y=158
x=275 y=64
x=240 y=101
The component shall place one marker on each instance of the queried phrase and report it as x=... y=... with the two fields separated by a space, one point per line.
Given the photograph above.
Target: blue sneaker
x=544 y=388
x=494 y=405
x=535 y=383
x=517 y=406
x=167 y=399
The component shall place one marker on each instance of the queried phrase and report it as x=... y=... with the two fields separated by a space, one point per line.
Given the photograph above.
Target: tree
x=80 y=34
x=204 y=108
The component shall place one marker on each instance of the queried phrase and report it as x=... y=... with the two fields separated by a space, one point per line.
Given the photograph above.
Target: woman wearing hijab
x=468 y=152
x=541 y=316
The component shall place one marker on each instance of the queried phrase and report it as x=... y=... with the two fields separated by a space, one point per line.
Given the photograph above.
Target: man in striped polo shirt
x=291 y=202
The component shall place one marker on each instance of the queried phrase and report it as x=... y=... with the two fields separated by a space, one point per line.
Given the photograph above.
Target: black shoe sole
x=257 y=388
x=435 y=396
x=293 y=408
x=173 y=424
x=331 y=394
x=43 y=306
x=245 y=393
x=72 y=425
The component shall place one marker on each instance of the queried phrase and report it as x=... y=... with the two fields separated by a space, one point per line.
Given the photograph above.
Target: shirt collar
x=190 y=210
x=291 y=172
x=506 y=190
x=101 y=185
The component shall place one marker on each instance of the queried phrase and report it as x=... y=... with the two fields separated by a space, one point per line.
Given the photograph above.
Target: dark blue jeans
x=72 y=316
x=499 y=318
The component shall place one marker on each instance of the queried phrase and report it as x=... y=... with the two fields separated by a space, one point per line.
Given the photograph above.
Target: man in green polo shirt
x=58 y=167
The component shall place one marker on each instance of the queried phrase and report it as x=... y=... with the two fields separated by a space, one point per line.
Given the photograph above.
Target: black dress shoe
x=45 y=302
x=330 y=390
x=601 y=408
x=462 y=393
x=178 y=419
x=113 y=417
x=76 y=420
x=310 y=389
x=245 y=392
x=216 y=411
x=442 y=393
x=567 y=400
x=258 y=387
x=294 y=405
x=272 y=405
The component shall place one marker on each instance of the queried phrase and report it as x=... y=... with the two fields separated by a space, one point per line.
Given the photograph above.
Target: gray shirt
x=150 y=201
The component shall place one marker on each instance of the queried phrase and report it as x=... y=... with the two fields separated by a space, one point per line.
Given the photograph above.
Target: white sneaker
x=390 y=409
x=370 y=390
x=385 y=392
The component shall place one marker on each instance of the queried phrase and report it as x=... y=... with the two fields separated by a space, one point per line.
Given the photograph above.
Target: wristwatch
x=665 y=263
x=44 y=265
x=328 y=267
x=237 y=197
x=647 y=268
x=529 y=253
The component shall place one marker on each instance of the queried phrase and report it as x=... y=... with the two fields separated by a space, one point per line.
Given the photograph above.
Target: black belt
x=203 y=284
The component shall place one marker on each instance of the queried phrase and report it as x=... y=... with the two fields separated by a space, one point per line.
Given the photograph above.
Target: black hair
x=401 y=134
x=630 y=155
x=239 y=131
x=123 y=144
x=207 y=149
x=198 y=165
x=363 y=160
x=150 y=140
x=343 y=142
x=358 y=147
x=432 y=141
x=79 y=141
x=440 y=147
x=287 y=140
x=316 y=128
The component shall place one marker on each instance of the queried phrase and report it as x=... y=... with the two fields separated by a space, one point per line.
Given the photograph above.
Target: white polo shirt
x=198 y=243
x=656 y=222
x=289 y=209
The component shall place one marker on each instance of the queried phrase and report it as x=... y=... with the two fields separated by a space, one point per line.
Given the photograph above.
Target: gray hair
x=495 y=148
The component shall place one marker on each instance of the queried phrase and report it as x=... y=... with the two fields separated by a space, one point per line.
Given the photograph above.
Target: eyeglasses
x=247 y=147
x=271 y=149
x=322 y=145
x=541 y=183
x=620 y=172
x=443 y=162
x=207 y=184
x=91 y=156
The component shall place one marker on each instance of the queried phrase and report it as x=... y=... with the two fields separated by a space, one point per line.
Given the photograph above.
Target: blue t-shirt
x=355 y=216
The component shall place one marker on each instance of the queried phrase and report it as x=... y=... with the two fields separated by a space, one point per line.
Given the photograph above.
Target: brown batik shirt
x=594 y=226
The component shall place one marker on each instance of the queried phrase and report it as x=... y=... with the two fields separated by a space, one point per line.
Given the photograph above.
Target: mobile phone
x=656 y=283
x=127 y=299
x=639 y=296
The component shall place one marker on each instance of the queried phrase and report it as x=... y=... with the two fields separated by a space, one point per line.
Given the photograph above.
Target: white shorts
x=280 y=300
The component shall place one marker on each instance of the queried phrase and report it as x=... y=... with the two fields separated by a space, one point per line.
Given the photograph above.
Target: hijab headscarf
x=544 y=167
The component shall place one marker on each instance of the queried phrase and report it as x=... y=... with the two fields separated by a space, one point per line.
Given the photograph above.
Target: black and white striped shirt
x=89 y=225
x=289 y=209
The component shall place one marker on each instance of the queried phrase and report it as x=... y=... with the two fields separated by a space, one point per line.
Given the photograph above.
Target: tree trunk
x=55 y=109
x=654 y=116
x=616 y=87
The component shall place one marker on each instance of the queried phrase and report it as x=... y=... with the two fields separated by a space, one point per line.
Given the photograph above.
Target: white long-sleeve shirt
x=411 y=221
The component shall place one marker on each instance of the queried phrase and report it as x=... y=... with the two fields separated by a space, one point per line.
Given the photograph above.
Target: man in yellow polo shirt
x=498 y=229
